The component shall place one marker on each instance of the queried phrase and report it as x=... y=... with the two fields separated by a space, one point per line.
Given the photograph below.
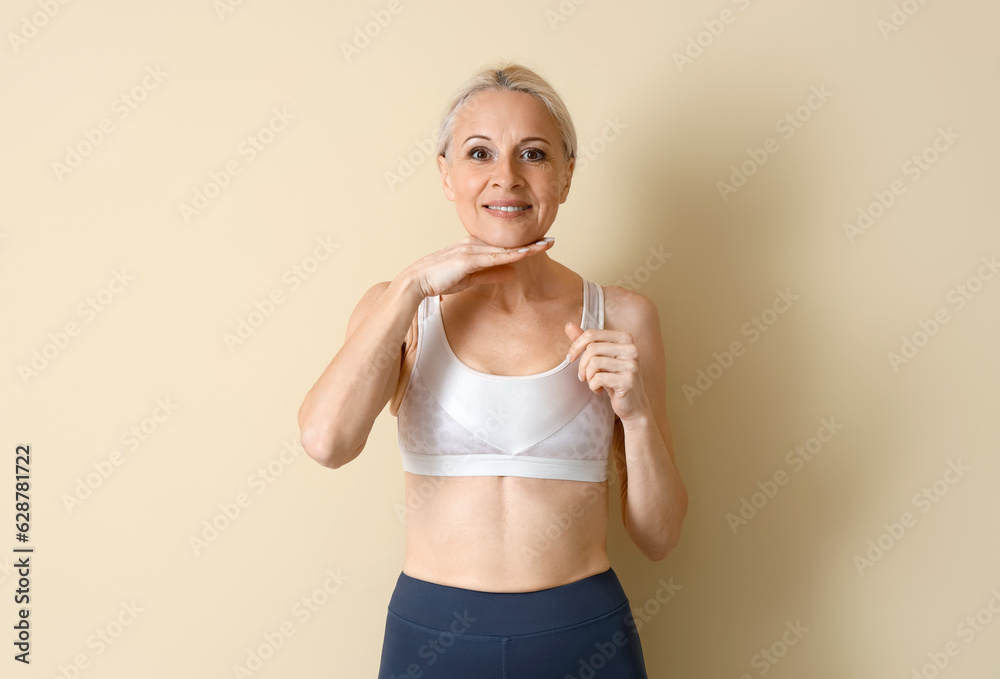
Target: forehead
x=500 y=110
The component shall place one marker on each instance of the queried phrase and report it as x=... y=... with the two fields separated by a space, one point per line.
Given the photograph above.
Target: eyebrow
x=526 y=139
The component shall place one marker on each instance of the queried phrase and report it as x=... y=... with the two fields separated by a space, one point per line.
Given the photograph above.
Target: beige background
x=677 y=132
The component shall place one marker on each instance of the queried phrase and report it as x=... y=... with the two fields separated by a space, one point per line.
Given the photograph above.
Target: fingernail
x=523 y=250
x=580 y=377
x=539 y=242
x=549 y=238
x=567 y=357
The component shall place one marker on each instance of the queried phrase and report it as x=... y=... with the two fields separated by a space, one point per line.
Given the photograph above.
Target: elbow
x=672 y=536
x=662 y=550
x=657 y=556
x=323 y=450
x=316 y=439
x=315 y=448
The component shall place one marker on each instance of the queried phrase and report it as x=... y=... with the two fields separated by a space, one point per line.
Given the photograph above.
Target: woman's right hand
x=468 y=262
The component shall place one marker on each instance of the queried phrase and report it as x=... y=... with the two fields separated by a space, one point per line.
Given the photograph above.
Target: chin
x=513 y=240
x=497 y=237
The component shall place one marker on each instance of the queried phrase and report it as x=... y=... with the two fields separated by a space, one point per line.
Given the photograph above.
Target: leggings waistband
x=446 y=608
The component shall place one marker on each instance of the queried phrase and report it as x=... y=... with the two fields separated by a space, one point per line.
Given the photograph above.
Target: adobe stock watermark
x=302 y=611
x=363 y=35
x=544 y=538
x=786 y=126
x=958 y=297
x=291 y=279
x=558 y=527
x=101 y=640
x=705 y=38
x=121 y=108
x=224 y=7
x=915 y=168
x=589 y=152
x=32 y=24
x=88 y=311
x=642 y=274
x=796 y=458
x=754 y=329
x=131 y=439
x=231 y=510
x=970 y=628
x=428 y=485
x=562 y=12
x=642 y=613
x=385 y=357
x=899 y=16
x=247 y=150
x=437 y=644
x=598 y=656
x=768 y=657
x=923 y=499
x=423 y=150
x=560 y=522
x=6 y=570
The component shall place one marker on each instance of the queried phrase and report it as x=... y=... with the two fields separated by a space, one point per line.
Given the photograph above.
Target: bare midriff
x=504 y=533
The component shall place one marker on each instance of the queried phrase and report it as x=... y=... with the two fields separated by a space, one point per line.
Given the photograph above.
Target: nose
x=506 y=173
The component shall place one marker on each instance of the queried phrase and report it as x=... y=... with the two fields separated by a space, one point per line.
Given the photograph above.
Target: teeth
x=510 y=208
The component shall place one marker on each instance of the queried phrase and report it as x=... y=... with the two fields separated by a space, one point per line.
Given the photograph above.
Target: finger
x=592 y=365
x=607 y=357
x=480 y=241
x=612 y=373
x=608 y=381
x=572 y=330
x=491 y=255
x=579 y=344
x=607 y=342
x=536 y=246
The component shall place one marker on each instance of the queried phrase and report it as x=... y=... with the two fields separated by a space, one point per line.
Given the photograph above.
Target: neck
x=535 y=278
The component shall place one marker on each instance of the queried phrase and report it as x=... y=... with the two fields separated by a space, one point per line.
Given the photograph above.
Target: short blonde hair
x=515 y=78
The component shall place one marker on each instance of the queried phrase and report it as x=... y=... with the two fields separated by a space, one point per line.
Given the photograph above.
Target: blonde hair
x=514 y=78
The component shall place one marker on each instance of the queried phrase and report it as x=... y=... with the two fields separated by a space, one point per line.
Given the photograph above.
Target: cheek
x=470 y=183
x=550 y=189
x=549 y=181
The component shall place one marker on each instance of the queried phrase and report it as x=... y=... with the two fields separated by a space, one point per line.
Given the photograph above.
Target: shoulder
x=626 y=309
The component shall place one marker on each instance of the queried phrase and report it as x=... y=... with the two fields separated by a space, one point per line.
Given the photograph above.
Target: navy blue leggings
x=581 y=630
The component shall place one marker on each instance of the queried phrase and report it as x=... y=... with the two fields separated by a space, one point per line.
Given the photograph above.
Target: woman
x=510 y=394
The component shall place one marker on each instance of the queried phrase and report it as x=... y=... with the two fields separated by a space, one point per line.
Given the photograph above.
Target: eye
x=479 y=153
x=534 y=154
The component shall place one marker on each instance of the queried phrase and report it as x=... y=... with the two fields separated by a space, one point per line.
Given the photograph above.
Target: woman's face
x=506 y=153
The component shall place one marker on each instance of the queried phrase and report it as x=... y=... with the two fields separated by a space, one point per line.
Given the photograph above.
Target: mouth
x=503 y=207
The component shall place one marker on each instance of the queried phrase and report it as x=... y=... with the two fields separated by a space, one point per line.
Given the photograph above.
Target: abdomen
x=504 y=533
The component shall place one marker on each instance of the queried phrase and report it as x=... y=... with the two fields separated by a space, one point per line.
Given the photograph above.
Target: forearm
x=338 y=412
x=656 y=499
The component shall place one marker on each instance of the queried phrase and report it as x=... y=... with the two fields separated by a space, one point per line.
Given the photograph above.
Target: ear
x=444 y=168
x=569 y=180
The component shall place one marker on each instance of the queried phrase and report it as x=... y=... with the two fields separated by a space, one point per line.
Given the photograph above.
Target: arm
x=337 y=414
x=339 y=411
x=654 y=499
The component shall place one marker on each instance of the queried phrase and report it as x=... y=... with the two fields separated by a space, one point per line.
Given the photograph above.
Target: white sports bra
x=454 y=420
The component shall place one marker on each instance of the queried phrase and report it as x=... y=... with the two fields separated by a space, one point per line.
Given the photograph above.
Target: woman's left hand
x=609 y=360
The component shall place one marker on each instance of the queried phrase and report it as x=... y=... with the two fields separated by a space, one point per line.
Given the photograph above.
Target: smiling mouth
x=508 y=208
